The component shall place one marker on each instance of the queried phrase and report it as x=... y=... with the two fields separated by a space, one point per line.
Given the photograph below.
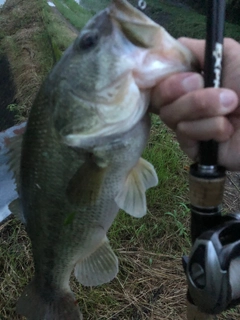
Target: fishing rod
x=214 y=259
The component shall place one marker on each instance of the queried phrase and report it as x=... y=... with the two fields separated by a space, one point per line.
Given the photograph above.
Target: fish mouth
x=136 y=26
x=145 y=33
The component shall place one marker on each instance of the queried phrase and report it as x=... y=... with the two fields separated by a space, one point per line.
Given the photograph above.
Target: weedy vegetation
x=75 y=14
x=151 y=283
x=60 y=36
x=25 y=42
x=95 y=6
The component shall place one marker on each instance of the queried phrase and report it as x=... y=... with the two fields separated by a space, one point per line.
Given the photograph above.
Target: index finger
x=196 y=46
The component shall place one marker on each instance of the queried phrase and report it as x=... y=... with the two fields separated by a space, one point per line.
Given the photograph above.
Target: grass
x=182 y=21
x=95 y=6
x=32 y=31
x=151 y=283
x=59 y=35
x=63 y=26
x=75 y=14
x=27 y=47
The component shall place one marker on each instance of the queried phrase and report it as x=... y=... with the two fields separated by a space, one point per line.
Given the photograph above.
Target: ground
x=232 y=193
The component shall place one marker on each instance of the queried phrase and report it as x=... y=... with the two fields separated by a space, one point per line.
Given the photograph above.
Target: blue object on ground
x=7 y=185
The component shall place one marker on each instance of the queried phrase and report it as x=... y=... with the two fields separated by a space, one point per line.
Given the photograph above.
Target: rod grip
x=206 y=193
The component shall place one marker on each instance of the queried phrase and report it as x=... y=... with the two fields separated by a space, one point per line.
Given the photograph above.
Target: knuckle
x=200 y=102
x=181 y=130
x=169 y=88
x=166 y=117
x=221 y=128
x=206 y=103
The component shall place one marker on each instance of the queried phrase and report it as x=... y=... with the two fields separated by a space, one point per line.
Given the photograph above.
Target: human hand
x=198 y=114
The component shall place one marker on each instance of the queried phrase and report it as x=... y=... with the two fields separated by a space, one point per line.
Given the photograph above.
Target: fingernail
x=227 y=99
x=193 y=82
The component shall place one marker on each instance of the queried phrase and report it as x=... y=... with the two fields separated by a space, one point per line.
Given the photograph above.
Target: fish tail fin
x=45 y=306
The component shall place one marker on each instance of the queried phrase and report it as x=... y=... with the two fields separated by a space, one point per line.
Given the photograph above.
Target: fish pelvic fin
x=39 y=306
x=132 y=197
x=98 y=268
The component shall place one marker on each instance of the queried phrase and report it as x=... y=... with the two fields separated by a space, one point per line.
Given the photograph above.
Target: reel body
x=211 y=268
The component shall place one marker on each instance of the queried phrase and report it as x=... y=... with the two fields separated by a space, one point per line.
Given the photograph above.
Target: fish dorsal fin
x=132 y=197
x=99 y=267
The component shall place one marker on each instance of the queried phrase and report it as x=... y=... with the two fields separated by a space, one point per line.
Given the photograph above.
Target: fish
x=81 y=153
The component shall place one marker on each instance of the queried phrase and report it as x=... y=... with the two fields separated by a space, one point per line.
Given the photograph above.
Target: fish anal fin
x=98 y=268
x=132 y=197
x=35 y=306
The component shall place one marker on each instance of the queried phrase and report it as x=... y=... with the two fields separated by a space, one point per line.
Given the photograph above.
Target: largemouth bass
x=81 y=153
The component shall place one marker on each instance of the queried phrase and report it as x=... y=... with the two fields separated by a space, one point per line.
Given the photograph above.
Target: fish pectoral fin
x=132 y=197
x=99 y=267
x=85 y=186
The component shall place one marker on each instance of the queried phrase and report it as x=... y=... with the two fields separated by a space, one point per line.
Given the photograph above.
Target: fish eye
x=88 y=40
